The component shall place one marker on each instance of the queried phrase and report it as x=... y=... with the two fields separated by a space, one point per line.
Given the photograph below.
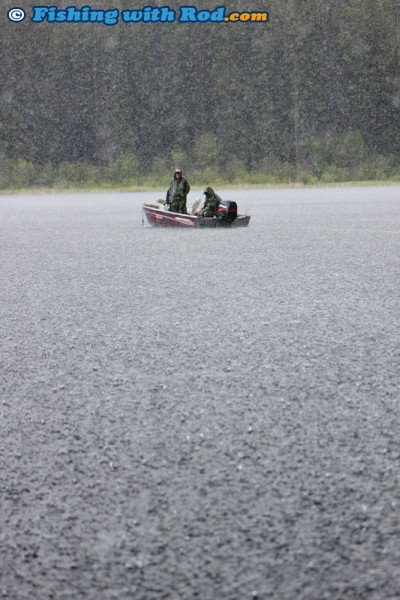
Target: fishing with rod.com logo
x=147 y=14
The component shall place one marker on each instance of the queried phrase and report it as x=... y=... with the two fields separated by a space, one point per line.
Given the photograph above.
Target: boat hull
x=157 y=217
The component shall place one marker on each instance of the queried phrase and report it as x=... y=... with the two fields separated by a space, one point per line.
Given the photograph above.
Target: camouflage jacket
x=211 y=204
x=178 y=189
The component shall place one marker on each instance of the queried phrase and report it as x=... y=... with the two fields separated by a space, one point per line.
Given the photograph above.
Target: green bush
x=330 y=151
x=334 y=174
x=376 y=168
x=66 y=175
x=22 y=173
x=123 y=170
x=159 y=174
x=235 y=170
x=396 y=174
x=204 y=177
x=349 y=149
x=275 y=170
x=306 y=177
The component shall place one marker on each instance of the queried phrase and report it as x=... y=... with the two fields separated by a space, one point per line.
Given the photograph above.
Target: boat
x=158 y=215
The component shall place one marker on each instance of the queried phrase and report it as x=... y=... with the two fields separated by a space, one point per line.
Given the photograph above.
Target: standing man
x=177 y=193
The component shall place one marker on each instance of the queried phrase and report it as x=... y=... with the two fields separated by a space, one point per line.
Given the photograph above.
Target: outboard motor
x=227 y=211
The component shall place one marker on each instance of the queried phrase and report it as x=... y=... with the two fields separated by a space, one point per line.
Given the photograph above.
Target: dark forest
x=312 y=95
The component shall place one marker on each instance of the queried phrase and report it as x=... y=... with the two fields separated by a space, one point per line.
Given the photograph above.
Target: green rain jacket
x=178 y=190
x=211 y=204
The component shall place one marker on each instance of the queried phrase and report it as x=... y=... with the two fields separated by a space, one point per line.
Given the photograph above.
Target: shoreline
x=227 y=186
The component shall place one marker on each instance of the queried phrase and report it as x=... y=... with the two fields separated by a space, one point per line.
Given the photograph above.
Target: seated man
x=211 y=203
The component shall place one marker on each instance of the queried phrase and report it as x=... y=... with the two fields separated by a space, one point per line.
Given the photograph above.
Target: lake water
x=206 y=414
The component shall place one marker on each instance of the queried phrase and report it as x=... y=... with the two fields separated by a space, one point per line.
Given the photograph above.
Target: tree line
x=314 y=94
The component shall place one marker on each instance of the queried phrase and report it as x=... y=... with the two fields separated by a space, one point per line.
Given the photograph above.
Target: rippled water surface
x=207 y=414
